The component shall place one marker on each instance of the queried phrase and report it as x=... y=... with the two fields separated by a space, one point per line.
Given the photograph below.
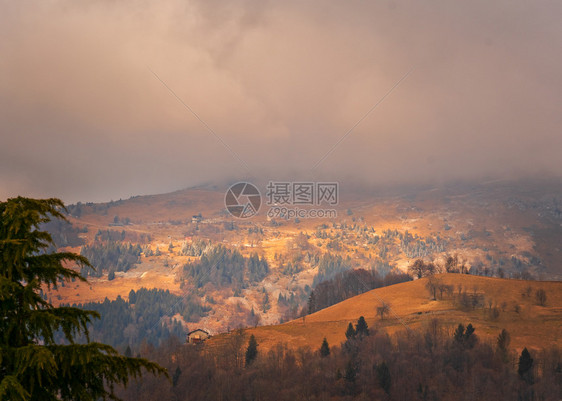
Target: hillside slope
x=503 y=229
x=529 y=324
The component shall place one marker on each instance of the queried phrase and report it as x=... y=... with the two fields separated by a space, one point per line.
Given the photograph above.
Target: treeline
x=452 y=264
x=386 y=243
x=79 y=208
x=291 y=304
x=429 y=364
x=414 y=246
x=111 y=256
x=64 y=233
x=222 y=267
x=349 y=284
x=130 y=236
x=329 y=266
x=145 y=317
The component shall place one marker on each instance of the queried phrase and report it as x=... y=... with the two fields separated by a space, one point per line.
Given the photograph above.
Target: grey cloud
x=83 y=118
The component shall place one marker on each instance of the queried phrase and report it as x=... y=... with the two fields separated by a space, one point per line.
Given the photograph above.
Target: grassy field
x=532 y=326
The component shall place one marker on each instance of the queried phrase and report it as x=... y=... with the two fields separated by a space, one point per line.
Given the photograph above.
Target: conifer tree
x=469 y=331
x=324 y=348
x=32 y=365
x=383 y=375
x=525 y=366
x=469 y=336
x=503 y=344
x=252 y=350
x=361 y=329
x=311 y=303
x=132 y=297
x=350 y=372
x=459 y=334
x=176 y=376
x=350 y=332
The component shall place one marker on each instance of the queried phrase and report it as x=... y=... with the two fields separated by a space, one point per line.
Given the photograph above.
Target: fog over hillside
x=91 y=93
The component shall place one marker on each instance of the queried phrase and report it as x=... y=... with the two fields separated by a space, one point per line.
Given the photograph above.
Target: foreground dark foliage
x=33 y=365
x=425 y=365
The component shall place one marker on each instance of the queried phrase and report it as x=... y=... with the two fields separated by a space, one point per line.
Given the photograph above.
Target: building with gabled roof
x=197 y=336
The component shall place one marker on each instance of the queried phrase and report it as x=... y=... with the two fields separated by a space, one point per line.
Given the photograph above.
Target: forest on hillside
x=111 y=256
x=411 y=365
x=223 y=266
x=348 y=284
x=146 y=317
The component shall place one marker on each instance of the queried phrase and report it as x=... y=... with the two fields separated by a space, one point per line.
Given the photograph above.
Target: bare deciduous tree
x=421 y=269
x=432 y=286
x=382 y=310
x=540 y=296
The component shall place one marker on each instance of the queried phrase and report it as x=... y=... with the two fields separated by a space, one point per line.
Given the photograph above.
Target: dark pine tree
x=383 y=376
x=176 y=376
x=525 y=366
x=350 y=332
x=311 y=303
x=469 y=336
x=350 y=372
x=503 y=344
x=324 y=348
x=252 y=350
x=33 y=366
x=132 y=297
x=459 y=334
x=361 y=329
x=469 y=331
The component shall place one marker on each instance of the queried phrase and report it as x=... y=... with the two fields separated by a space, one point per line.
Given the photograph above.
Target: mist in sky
x=106 y=99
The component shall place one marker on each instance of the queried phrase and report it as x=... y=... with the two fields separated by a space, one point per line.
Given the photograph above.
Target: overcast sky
x=87 y=110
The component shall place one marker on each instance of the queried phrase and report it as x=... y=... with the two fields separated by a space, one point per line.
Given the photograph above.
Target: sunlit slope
x=530 y=325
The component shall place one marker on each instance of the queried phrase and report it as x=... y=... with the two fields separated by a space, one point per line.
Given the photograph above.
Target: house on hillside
x=197 y=336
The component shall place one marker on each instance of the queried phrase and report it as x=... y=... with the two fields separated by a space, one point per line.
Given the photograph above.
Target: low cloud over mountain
x=89 y=92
